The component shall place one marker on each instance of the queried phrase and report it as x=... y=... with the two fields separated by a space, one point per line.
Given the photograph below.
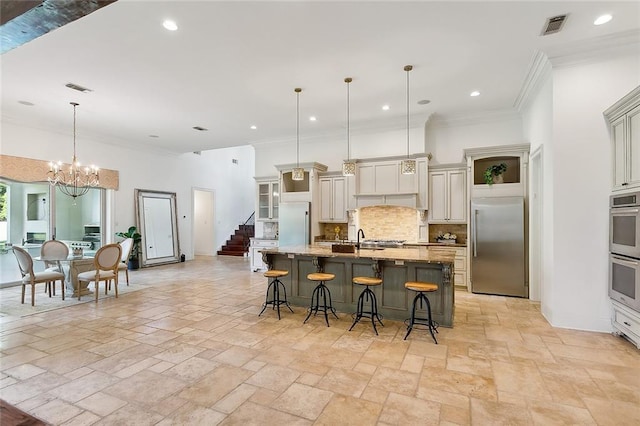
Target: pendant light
x=298 y=172
x=75 y=182
x=348 y=166
x=408 y=166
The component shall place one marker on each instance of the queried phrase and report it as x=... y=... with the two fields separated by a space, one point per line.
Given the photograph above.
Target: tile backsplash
x=389 y=223
x=460 y=230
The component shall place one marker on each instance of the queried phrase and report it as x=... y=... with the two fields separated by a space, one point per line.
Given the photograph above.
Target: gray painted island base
x=394 y=301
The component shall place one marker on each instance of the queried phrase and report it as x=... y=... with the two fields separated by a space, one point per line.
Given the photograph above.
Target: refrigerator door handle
x=474 y=242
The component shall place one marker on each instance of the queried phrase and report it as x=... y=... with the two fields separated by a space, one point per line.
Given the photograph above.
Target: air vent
x=554 y=25
x=197 y=152
x=78 y=88
x=234 y=161
x=201 y=129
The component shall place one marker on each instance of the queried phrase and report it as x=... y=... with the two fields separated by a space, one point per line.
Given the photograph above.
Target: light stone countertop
x=418 y=254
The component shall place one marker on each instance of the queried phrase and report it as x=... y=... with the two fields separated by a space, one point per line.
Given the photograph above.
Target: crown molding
x=595 y=49
x=539 y=71
x=439 y=121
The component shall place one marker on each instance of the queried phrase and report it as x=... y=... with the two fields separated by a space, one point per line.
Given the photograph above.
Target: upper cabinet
x=448 y=195
x=623 y=119
x=380 y=181
x=333 y=199
x=299 y=190
x=268 y=198
x=498 y=171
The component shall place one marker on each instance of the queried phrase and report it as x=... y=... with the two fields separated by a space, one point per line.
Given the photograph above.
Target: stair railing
x=245 y=235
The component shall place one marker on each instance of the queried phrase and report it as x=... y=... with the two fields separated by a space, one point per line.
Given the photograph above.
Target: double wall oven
x=624 y=247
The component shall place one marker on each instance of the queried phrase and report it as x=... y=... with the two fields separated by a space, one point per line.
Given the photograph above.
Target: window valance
x=22 y=169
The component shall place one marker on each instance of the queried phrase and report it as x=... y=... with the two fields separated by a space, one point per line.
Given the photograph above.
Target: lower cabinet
x=460 y=271
x=256 y=257
x=626 y=321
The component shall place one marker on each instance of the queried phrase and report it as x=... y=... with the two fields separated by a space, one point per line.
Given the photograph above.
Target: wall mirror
x=158 y=225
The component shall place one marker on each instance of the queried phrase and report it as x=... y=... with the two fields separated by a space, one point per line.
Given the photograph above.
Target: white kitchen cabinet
x=459 y=263
x=448 y=195
x=333 y=199
x=626 y=321
x=624 y=128
x=256 y=257
x=268 y=199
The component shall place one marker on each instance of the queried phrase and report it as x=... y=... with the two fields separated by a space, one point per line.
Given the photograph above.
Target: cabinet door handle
x=626 y=323
x=625 y=184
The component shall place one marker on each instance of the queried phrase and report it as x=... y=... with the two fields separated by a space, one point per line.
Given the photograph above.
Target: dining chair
x=25 y=263
x=53 y=249
x=106 y=268
x=126 y=245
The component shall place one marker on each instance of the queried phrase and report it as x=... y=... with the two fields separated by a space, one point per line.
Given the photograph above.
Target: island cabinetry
x=448 y=195
x=394 y=301
x=333 y=199
x=624 y=129
x=380 y=182
x=267 y=198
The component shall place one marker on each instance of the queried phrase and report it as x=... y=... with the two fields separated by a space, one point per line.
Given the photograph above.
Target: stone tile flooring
x=189 y=348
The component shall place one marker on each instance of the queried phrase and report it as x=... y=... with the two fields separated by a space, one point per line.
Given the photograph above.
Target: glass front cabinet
x=268 y=199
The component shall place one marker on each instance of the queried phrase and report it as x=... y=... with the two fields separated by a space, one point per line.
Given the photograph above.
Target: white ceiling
x=235 y=64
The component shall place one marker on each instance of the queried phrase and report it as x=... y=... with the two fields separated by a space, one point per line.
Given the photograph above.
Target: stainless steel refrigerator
x=498 y=246
x=293 y=224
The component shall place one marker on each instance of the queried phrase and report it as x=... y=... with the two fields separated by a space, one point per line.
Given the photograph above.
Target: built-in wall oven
x=624 y=247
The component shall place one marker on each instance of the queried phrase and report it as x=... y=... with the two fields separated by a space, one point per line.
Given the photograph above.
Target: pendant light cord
x=73 y=162
x=297 y=127
x=348 y=80
x=407 y=69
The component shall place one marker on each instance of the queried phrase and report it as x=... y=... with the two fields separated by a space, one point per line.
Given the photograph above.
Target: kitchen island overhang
x=394 y=265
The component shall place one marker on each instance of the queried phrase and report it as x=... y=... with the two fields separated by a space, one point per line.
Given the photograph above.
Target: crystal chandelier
x=298 y=172
x=408 y=166
x=348 y=166
x=75 y=181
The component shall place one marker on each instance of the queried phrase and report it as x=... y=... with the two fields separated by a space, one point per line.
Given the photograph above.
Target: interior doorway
x=535 y=227
x=203 y=222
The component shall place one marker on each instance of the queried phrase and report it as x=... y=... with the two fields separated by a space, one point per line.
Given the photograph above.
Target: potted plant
x=493 y=174
x=134 y=256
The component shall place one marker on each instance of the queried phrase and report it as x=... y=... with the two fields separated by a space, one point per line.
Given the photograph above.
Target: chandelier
x=298 y=172
x=75 y=181
x=348 y=166
x=408 y=166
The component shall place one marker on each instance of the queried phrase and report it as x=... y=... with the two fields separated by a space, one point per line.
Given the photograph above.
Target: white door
x=203 y=223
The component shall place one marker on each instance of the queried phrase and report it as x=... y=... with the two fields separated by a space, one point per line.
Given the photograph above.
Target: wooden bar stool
x=321 y=290
x=367 y=296
x=421 y=288
x=274 y=287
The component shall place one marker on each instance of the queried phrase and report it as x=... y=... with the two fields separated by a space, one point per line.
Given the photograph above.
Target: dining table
x=75 y=264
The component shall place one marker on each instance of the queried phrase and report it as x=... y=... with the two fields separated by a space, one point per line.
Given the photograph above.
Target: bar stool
x=321 y=290
x=274 y=287
x=421 y=288
x=367 y=296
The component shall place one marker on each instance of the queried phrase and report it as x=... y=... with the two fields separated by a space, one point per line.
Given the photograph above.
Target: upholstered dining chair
x=106 y=268
x=53 y=249
x=25 y=263
x=126 y=245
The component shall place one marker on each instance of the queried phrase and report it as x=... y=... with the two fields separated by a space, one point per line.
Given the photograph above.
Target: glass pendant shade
x=297 y=173
x=349 y=168
x=408 y=167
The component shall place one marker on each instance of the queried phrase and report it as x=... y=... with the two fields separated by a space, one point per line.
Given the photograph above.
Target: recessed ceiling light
x=154 y=136
x=170 y=25
x=312 y=118
x=385 y=107
x=254 y=127
x=602 y=19
x=424 y=102
x=474 y=93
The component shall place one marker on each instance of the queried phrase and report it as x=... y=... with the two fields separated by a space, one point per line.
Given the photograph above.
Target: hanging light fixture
x=298 y=172
x=408 y=166
x=348 y=166
x=76 y=181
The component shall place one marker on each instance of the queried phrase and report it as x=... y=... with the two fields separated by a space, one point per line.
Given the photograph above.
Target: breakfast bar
x=394 y=265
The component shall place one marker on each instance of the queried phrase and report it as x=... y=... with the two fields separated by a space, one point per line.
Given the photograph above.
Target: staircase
x=238 y=244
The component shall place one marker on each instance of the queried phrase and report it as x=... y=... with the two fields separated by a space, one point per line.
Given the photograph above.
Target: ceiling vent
x=554 y=25
x=78 y=88
x=201 y=129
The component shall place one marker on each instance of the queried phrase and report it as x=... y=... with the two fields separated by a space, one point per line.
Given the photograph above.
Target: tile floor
x=189 y=348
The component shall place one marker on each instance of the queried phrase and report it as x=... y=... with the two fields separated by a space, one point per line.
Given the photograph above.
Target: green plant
x=132 y=233
x=495 y=170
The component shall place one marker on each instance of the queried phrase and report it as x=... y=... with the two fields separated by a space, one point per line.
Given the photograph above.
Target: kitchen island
x=394 y=265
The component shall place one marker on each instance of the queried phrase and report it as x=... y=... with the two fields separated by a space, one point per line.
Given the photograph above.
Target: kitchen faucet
x=360 y=231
